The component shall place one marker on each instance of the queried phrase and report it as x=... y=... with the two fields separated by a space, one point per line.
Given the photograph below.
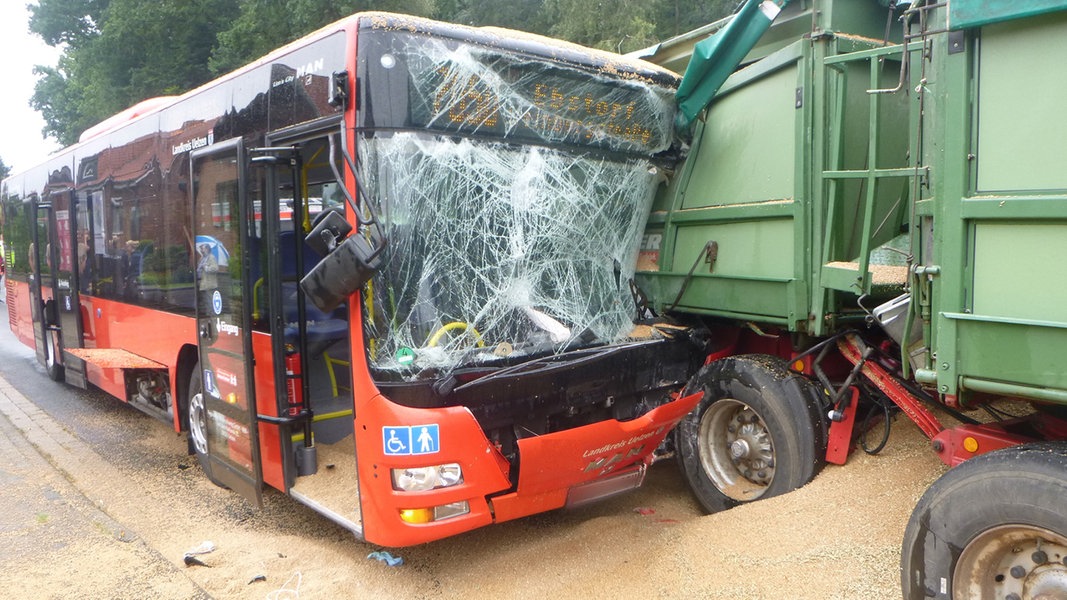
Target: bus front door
x=224 y=429
x=43 y=291
x=67 y=300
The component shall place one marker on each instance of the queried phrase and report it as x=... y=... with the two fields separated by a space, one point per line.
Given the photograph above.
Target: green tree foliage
x=524 y=15
x=119 y=52
x=675 y=17
x=264 y=25
x=616 y=25
x=4 y=169
x=152 y=47
x=67 y=21
x=60 y=101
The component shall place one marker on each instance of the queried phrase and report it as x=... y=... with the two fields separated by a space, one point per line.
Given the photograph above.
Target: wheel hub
x=739 y=449
x=1013 y=562
x=736 y=450
x=197 y=424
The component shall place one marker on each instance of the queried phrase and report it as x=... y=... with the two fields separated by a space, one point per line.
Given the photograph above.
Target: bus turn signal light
x=437 y=513
x=416 y=515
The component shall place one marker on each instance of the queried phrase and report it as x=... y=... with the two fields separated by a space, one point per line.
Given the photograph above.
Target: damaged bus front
x=512 y=178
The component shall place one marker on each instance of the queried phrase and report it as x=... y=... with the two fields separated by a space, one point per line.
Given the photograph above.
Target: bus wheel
x=198 y=424
x=51 y=363
x=993 y=527
x=758 y=432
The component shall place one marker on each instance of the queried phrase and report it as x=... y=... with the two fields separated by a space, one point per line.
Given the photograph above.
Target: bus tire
x=757 y=432
x=197 y=415
x=51 y=364
x=991 y=527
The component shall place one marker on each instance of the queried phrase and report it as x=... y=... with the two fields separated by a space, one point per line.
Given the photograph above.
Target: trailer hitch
x=853 y=349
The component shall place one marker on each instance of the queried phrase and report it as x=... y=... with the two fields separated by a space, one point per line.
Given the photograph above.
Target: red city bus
x=396 y=247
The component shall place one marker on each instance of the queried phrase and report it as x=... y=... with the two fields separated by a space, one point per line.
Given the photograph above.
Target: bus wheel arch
x=186 y=367
x=757 y=433
x=989 y=525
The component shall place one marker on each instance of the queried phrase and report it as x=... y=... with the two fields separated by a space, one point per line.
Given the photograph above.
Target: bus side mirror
x=338 y=94
x=329 y=229
x=342 y=273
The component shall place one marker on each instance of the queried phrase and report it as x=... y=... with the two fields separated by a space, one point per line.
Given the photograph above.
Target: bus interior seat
x=322 y=329
x=287 y=249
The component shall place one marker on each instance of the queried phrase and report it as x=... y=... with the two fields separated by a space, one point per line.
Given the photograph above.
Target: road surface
x=112 y=502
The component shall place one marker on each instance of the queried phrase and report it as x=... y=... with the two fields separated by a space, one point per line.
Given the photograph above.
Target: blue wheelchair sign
x=419 y=439
x=396 y=440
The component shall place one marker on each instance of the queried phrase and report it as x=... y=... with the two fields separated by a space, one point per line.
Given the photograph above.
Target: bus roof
x=624 y=67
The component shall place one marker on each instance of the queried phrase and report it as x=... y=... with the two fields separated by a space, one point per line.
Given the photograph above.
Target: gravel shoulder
x=59 y=544
x=837 y=537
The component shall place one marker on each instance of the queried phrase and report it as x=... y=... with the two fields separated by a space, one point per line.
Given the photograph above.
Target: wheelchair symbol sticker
x=216 y=302
x=418 y=439
x=396 y=440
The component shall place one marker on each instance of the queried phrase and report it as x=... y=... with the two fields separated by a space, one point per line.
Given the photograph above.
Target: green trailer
x=879 y=196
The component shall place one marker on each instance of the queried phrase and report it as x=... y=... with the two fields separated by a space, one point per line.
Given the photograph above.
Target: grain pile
x=838 y=537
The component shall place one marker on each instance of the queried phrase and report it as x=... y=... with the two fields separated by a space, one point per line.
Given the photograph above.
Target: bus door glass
x=42 y=286
x=223 y=308
x=68 y=307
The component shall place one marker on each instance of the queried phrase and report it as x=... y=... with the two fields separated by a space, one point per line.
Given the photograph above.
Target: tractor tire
x=993 y=527
x=758 y=432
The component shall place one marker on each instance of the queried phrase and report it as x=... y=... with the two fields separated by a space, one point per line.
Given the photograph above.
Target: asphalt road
x=102 y=501
x=133 y=475
x=57 y=543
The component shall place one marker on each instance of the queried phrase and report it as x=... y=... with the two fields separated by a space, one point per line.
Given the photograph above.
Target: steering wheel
x=454 y=325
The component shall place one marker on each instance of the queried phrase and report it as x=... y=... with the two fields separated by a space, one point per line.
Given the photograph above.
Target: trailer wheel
x=758 y=432
x=51 y=363
x=993 y=527
x=198 y=424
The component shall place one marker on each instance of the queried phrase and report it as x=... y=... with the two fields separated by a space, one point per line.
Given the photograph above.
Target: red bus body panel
x=485 y=471
x=153 y=334
x=551 y=465
x=270 y=439
x=554 y=463
x=18 y=310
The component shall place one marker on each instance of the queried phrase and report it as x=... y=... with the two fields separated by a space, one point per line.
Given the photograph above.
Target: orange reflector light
x=231 y=398
x=798 y=365
x=437 y=513
x=970 y=444
x=416 y=515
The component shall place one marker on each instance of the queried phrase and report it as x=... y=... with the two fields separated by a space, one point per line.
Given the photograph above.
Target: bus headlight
x=421 y=479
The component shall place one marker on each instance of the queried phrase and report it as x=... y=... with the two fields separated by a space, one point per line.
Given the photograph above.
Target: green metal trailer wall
x=800 y=173
x=796 y=174
x=999 y=207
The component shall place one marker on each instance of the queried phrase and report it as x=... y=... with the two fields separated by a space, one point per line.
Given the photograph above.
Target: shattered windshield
x=513 y=190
